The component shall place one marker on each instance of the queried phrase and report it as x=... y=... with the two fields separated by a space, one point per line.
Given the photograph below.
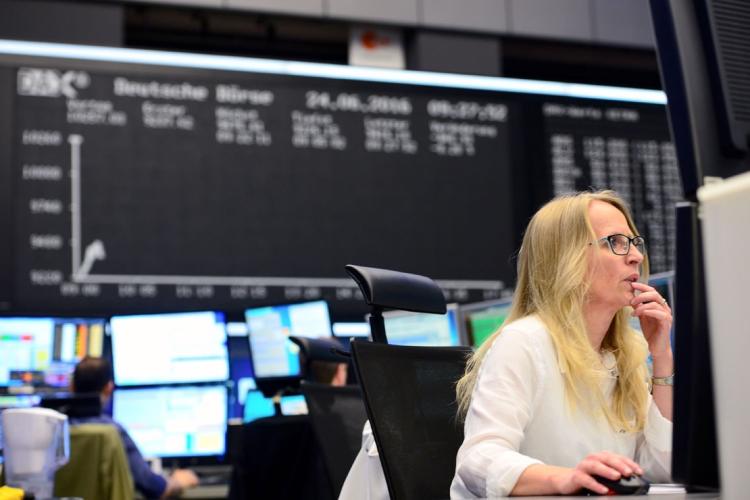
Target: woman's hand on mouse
x=605 y=464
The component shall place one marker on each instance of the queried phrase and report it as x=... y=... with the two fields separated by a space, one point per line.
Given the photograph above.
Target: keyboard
x=210 y=475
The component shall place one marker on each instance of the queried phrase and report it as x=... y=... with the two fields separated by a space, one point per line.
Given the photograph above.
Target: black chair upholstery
x=396 y=290
x=321 y=349
x=337 y=415
x=74 y=405
x=410 y=399
x=279 y=458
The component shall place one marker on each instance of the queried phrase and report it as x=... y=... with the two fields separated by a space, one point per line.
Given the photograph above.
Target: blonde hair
x=552 y=284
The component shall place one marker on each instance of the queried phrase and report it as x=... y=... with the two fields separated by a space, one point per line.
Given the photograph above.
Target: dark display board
x=627 y=149
x=138 y=187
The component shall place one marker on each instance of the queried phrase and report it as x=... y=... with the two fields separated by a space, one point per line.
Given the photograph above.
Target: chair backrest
x=387 y=289
x=338 y=415
x=410 y=397
x=74 y=405
x=98 y=466
x=280 y=459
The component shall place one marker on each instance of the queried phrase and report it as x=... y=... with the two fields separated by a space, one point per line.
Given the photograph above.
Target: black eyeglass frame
x=635 y=240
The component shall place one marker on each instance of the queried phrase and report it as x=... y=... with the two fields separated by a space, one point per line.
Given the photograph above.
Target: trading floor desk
x=210 y=491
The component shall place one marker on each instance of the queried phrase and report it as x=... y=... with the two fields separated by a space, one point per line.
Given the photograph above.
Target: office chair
x=98 y=467
x=74 y=405
x=279 y=458
x=337 y=415
x=387 y=289
x=409 y=392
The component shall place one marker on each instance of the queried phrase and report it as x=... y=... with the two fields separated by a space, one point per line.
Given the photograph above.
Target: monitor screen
x=19 y=400
x=482 y=319
x=256 y=405
x=351 y=329
x=42 y=352
x=176 y=421
x=664 y=284
x=423 y=329
x=269 y=329
x=169 y=348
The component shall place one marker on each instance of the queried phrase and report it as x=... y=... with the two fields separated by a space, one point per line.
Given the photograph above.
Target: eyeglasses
x=620 y=243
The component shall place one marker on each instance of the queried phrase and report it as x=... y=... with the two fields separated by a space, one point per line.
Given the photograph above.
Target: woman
x=561 y=392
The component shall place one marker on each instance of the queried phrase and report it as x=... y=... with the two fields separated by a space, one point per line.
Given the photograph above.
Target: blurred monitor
x=482 y=319
x=423 y=329
x=169 y=348
x=664 y=284
x=351 y=329
x=256 y=405
x=269 y=329
x=19 y=400
x=236 y=329
x=174 y=421
x=42 y=351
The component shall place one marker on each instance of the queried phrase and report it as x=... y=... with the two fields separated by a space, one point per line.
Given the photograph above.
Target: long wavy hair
x=552 y=284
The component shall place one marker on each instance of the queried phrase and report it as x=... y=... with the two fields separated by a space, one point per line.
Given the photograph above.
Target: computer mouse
x=632 y=485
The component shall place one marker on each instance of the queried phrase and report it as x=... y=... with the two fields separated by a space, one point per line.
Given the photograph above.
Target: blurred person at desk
x=94 y=375
x=320 y=362
x=562 y=393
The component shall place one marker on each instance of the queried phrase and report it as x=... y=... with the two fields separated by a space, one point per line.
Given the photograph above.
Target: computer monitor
x=700 y=45
x=482 y=319
x=174 y=421
x=19 y=401
x=423 y=329
x=664 y=284
x=42 y=351
x=169 y=348
x=256 y=405
x=269 y=329
x=349 y=329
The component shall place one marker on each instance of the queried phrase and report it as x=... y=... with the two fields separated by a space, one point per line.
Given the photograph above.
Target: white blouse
x=518 y=417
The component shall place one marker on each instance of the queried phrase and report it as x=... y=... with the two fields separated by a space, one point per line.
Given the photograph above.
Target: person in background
x=318 y=362
x=561 y=393
x=328 y=372
x=94 y=375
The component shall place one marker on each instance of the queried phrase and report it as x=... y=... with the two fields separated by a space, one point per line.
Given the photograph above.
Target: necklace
x=609 y=362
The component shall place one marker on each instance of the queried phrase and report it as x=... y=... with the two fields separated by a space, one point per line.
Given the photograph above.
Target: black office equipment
x=136 y=181
x=409 y=392
x=632 y=485
x=338 y=416
x=410 y=396
x=695 y=459
x=279 y=458
x=703 y=48
x=74 y=405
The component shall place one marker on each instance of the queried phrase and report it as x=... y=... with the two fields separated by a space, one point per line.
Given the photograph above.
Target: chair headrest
x=320 y=349
x=389 y=289
x=74 y=405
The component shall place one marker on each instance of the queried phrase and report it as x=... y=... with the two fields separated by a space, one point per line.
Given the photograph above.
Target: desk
x=212 y=491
